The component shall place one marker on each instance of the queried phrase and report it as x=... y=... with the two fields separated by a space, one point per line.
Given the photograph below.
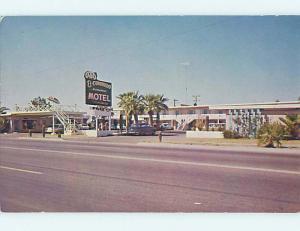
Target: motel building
x=27 y=118
x=66 y=119
x=235 y=117
x=244 y=118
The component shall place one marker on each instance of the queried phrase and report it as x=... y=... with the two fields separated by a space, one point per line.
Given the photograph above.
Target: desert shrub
x=271 y=133
x=221 y=129
x=228 y=134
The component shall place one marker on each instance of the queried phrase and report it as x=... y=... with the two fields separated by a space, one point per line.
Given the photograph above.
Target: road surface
x=66 y=176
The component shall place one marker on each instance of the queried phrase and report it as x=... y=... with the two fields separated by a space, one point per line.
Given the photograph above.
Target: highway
x=67 y=176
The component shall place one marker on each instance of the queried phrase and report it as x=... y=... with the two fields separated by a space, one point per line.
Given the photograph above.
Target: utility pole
x=174 y=102
x=195 y=99
x=185 y=66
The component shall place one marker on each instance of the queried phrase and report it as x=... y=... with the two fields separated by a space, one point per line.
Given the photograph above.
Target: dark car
x=142 y=129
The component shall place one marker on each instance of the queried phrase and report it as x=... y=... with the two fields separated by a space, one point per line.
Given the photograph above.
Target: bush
x=220 y=129
x=228 y=134
x=271 y=133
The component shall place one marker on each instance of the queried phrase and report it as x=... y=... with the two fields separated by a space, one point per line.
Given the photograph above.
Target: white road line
x=197 y=203
x=20 y=170
x=159 y=160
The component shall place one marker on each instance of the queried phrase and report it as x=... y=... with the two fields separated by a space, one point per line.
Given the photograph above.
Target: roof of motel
x=266 y=105
x=38 y=113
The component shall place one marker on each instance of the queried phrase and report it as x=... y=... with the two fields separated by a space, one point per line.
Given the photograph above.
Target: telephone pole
x=195 y=99
x=174 y=102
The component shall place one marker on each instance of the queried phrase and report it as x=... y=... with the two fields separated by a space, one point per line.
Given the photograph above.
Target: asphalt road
x=66 y=176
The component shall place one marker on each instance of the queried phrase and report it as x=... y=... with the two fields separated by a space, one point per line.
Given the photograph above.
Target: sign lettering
x=97 y=92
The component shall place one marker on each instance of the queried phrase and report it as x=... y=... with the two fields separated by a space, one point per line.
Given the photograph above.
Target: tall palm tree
x=131 y=103
x=160 y=107
x=154 y=104
x=149 y=101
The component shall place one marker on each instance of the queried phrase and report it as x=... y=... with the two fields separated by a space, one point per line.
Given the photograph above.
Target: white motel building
x=225 y=116
x=238 y=117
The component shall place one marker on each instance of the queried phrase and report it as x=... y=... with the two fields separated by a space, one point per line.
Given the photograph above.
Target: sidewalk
x=235 y=148
x=176 y=141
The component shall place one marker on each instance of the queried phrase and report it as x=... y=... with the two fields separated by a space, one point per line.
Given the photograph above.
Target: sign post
x=99 y=94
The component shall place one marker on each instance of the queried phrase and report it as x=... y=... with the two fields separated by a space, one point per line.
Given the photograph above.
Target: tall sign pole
x=99 y=94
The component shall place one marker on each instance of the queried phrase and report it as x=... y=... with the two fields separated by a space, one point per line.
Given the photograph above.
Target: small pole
x=43 y=131
x=30 y=133
x=58 y=135
x=160 y=136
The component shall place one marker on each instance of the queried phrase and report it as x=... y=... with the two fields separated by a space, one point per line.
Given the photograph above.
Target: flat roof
x=275 y=105
x=39 y=113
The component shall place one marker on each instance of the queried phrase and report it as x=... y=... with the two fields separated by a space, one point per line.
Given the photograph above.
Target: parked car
x=58 y=128
x=142 y=129
x=83 y=127
x=166 y=126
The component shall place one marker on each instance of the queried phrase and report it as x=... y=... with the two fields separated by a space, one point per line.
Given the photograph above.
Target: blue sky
x=231 y=59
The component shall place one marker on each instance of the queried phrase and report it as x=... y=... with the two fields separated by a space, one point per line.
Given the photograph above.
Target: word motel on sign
x=98 y=97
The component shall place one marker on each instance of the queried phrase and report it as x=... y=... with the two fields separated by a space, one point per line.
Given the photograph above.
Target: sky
x=223 y=59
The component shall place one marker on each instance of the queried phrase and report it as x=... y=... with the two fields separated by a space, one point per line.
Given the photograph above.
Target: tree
x=3 y=122
x=292 y=123
x=131 y=103
x=271 y=133
x=39 y=103
x=160 y=106
x=154 y=103
x=3 y=110
x=149 y=101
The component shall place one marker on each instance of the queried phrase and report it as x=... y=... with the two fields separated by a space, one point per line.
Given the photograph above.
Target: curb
x=293 y=151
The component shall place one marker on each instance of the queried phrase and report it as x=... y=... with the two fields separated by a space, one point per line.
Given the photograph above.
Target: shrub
x=228 y=134
x=220 y=129
x=271 y=133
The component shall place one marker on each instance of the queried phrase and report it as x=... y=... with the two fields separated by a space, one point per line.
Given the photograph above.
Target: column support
x=109 y=123
x=53 y=127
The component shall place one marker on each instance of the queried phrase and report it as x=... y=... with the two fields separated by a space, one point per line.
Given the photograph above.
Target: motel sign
x=97 y=92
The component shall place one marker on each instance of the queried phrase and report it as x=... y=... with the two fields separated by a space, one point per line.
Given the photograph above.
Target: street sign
x=97 y=92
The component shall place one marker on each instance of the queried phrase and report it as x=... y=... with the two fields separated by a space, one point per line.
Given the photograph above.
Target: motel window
x=29 y=124
x=191 y=112
x=205 y=111
x=222 y=121
x=177 y=112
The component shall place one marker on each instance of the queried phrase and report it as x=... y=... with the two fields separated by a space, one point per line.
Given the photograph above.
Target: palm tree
x=154 y=103
x=160 y=106
x=131 y=103
x=150 y=106
x=291 y=122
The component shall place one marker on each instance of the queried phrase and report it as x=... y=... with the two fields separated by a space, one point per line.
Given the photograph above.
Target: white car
x=166 y=126
x=58 y=128
x=83 y=127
